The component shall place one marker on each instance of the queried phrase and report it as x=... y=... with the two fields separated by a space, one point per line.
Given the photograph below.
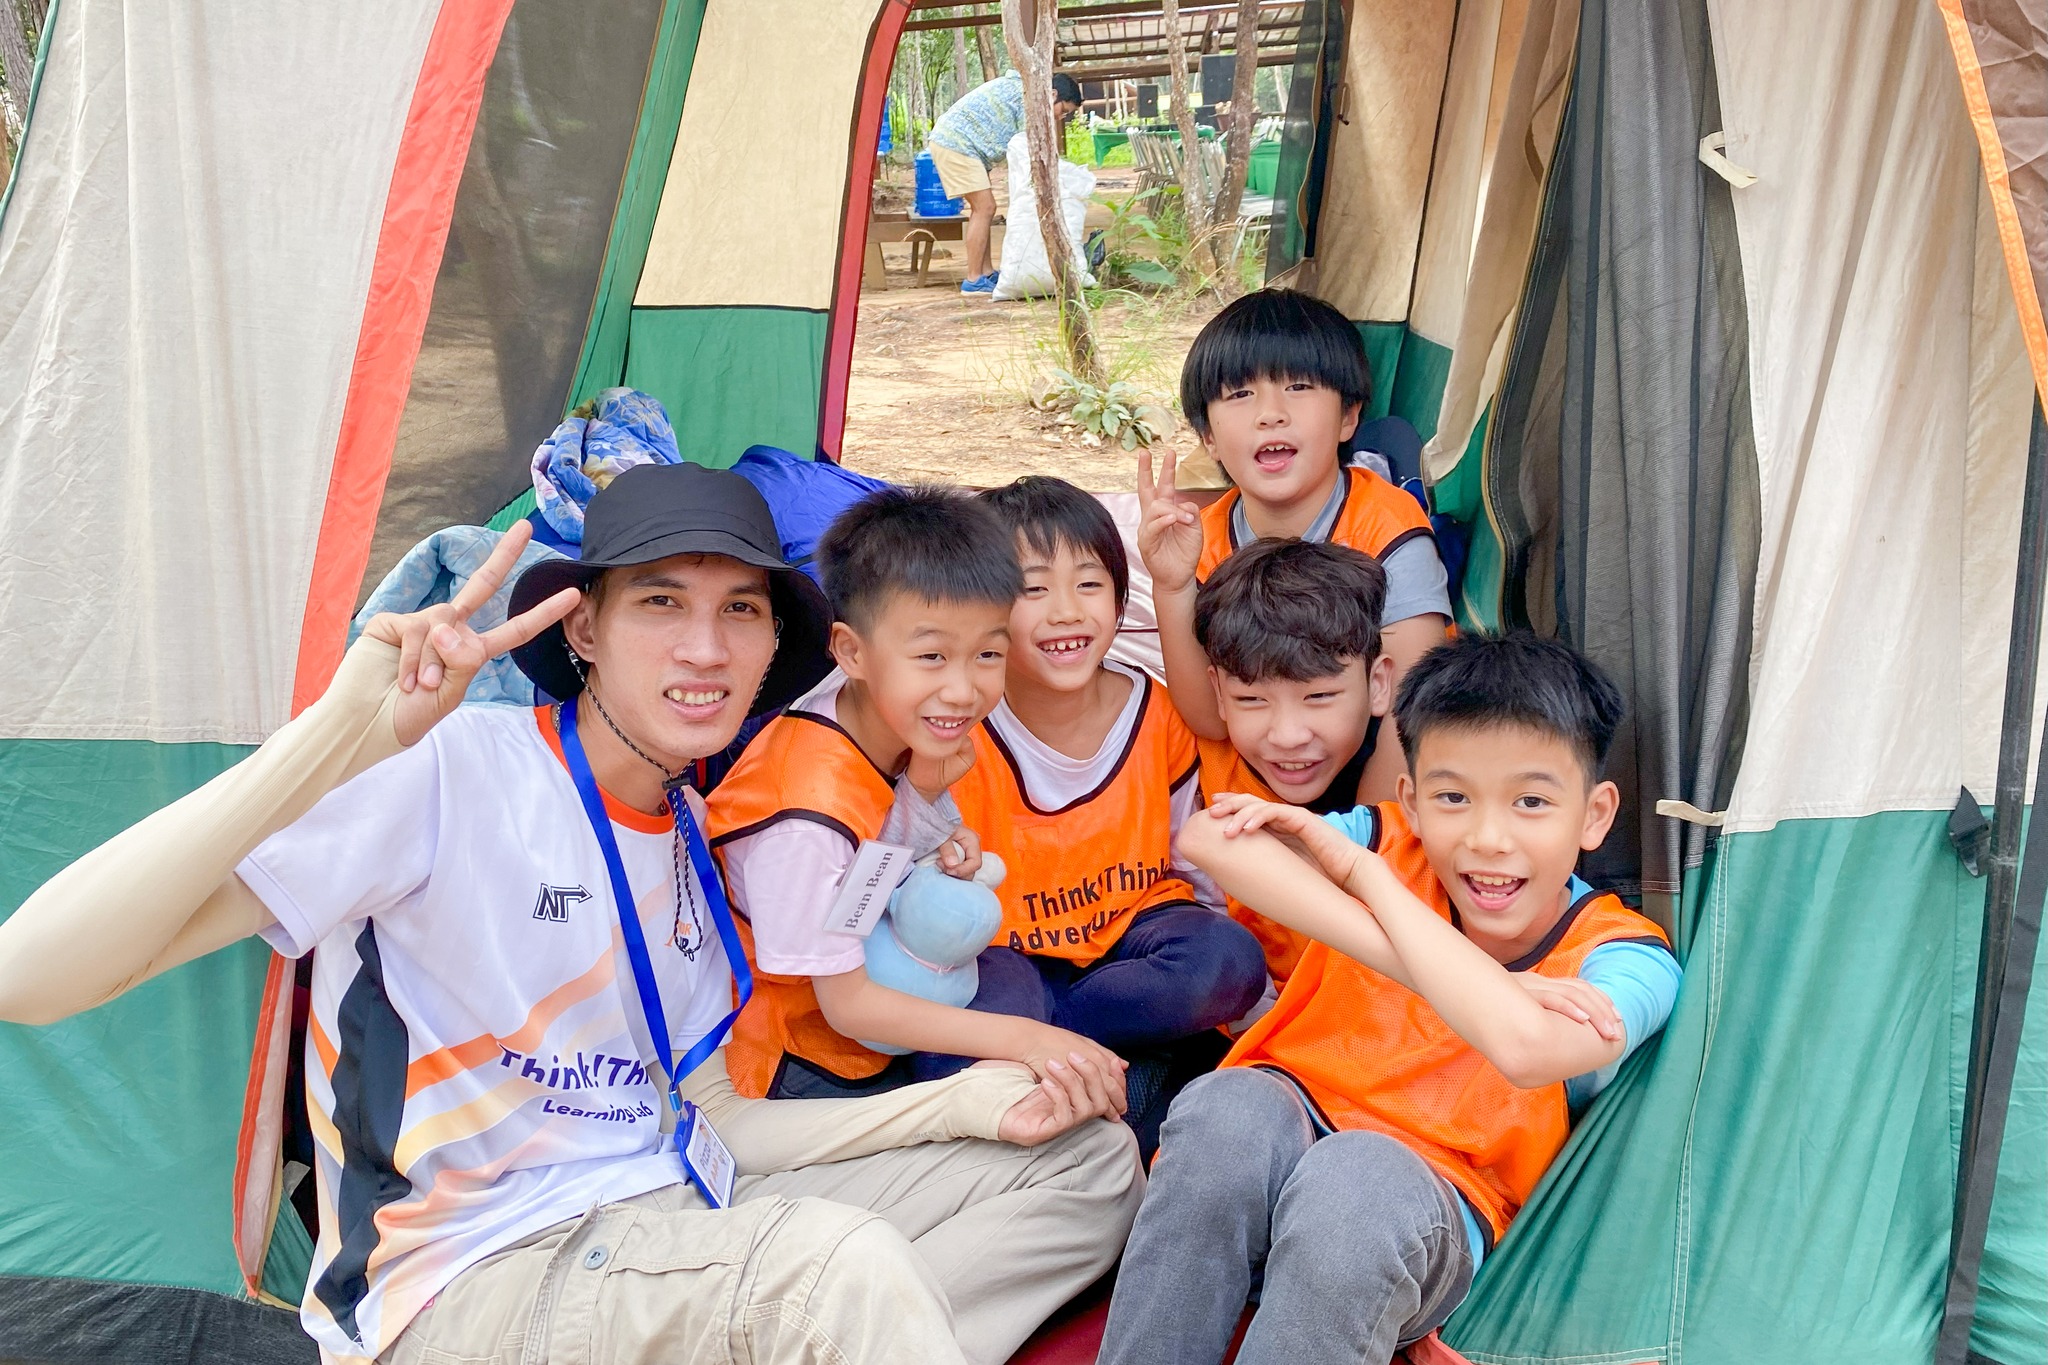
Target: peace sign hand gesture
x=1169 y=528
x=438 y=652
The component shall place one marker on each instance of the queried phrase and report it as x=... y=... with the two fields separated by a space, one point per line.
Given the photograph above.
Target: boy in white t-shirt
x=1083 y=776
x=921 y=581
x=490 y=1107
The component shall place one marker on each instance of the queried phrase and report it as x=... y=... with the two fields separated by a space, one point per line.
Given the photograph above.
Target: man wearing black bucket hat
x=522 y=1122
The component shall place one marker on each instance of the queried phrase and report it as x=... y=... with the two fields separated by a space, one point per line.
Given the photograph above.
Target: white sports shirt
x=475 y=1060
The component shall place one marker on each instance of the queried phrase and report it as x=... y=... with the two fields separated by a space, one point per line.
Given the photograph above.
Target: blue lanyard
x=629 y=915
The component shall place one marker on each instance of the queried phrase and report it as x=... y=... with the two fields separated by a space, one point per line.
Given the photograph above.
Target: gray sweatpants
x=944 y=1252
x=1362 y=1245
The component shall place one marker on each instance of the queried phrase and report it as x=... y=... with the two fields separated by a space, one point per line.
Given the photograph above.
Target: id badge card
x=705 y=1158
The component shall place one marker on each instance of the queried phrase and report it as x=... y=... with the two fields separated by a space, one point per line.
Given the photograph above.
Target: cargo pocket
x=670 y=1284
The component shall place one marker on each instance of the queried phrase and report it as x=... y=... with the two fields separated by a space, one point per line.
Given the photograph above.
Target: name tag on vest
x=878 y=869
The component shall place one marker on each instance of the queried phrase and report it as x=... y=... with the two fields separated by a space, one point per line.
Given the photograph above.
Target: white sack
x=1025 y=271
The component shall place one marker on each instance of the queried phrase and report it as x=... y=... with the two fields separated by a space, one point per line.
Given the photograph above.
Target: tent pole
x=2013 y=897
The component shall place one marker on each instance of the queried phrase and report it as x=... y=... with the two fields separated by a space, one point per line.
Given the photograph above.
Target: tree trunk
x=920 y=105
x=17 y=65
x=985 y=45
x=961 y=83
x=1243 y=113
x=1193 y=202
x=1029 y=27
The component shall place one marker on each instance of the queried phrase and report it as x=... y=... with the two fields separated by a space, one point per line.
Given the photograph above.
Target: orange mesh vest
x=801 y=767
x=1373 y=1055
x=1079 y=875
x=1224 y=770
x=1374 y=517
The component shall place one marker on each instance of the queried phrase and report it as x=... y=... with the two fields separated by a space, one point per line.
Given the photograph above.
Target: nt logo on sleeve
x=555 y=901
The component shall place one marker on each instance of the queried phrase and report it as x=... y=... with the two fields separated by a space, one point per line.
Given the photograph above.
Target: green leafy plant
x=1117 y=412
x=1135 y=226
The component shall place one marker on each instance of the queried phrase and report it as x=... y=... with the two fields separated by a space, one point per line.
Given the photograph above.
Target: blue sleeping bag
x=805 y=495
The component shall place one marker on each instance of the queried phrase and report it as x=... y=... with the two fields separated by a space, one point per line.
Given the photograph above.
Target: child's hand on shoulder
x=960 y=854
x=1169 y=527
x=1575 y=999
x=1298 y=827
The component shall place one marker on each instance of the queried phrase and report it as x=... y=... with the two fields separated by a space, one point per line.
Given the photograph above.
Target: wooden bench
x=921 y=233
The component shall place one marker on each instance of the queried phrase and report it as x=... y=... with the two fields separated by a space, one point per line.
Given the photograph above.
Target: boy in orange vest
x=1367 y=1142
x=921 y=582
x=1274 y=385
x=1290 y=629
x=1083 y=774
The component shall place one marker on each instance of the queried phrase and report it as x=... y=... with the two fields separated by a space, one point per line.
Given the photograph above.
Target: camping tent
x=282 y=289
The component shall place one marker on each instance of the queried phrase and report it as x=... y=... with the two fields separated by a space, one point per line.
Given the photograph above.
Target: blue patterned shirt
x=982 y=121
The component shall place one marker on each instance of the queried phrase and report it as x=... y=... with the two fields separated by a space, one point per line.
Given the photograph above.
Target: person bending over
x=1368 y=1141
x=527 y=1146
x=972 y=136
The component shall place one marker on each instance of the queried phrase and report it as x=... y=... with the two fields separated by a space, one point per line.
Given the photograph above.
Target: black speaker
x=1218 y=71
x=1148 y=101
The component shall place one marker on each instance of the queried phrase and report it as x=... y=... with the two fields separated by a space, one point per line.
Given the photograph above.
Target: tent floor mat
x=104 y=1322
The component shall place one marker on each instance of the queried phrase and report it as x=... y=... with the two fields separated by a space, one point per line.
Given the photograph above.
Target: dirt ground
x=942 y=382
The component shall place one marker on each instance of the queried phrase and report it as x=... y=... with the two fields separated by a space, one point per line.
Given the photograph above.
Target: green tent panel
x=731 y=377
x=1758 y=1189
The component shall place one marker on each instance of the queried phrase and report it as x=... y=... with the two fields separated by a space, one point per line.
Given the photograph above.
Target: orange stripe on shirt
x=439 y=1065
x=323 y=1045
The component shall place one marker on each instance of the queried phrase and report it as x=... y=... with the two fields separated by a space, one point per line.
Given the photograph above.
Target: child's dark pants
x=1178 y=970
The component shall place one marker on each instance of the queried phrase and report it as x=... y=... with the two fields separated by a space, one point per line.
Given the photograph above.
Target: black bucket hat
x=652 y=511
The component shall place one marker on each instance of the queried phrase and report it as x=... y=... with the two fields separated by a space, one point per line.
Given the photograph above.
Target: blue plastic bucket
x=931 y=201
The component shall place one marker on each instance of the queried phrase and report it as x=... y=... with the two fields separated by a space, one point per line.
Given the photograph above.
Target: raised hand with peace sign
x=1169 y=527
x=439 y=653
x=1170 y=542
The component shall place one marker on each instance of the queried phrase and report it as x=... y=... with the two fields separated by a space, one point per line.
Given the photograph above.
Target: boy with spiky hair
x=921 y=582
x=1290 y=629
x=1368 y=1141
x=1274 y=386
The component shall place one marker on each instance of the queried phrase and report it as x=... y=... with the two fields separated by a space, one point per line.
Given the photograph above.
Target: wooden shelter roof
x=1126 y=39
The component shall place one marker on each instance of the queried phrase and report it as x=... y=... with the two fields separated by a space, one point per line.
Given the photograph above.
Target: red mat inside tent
x=1073 y=1336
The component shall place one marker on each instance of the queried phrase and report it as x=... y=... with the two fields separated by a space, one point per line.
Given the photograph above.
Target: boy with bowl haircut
x=1291 y=632
x=1274 y=385
x=1083 y=774
x=921 y=582
x=1368 y=1141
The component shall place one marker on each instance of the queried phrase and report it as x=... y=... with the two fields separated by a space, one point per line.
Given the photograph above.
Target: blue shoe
x=981 y=284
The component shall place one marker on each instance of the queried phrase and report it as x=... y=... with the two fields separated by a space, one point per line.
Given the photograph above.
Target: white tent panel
x=182 y=280
x=1890 y=404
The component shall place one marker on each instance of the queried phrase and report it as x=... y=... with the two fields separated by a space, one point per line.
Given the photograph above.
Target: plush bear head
x=935 y=927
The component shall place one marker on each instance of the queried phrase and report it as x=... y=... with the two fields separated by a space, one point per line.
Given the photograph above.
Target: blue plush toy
x=935 y=927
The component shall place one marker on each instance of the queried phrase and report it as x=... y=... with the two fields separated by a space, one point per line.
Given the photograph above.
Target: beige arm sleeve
x=163 y=891
x=785 y=1135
